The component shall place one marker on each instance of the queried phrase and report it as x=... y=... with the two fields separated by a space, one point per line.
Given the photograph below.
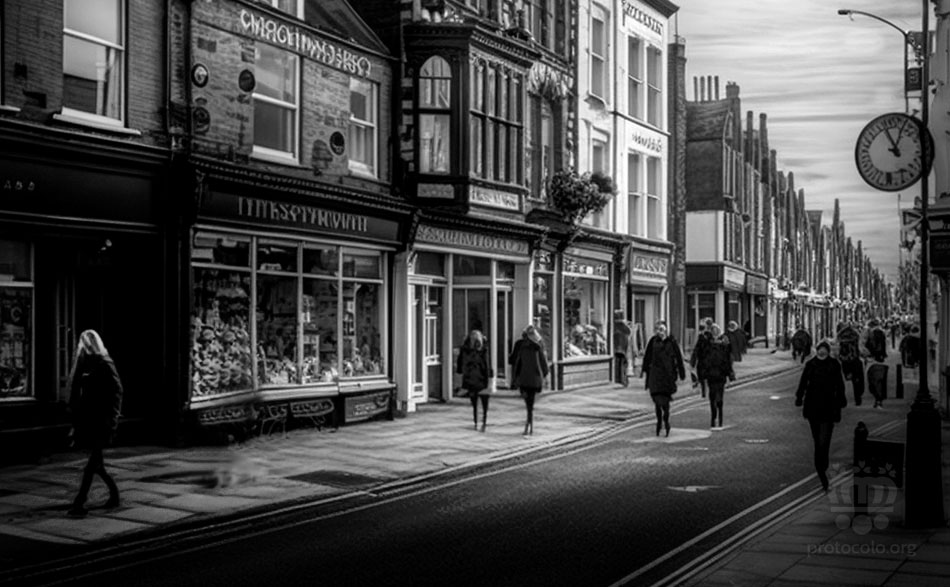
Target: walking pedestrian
x=737 y=341
x=530 y=370
x=622 y=333
x=95 y=396
x=801 y=344
x=476 y=372
x=662 y=363
x=698 y=354
x=821 y=396
x=849 y=355
x=910 y=348
x=717 y=367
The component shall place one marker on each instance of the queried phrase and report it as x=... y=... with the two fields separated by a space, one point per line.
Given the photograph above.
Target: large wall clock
x=891 y=153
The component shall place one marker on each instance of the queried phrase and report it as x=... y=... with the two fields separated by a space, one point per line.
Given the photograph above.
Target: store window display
x=317 y=311
x=16 y=318
x=585 y=308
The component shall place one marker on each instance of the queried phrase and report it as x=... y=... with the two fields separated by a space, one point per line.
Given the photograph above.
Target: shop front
x=289 y=308
x=714 y=291
x=647 y=291
x=81 y=247
x=757 y=290
x=459 y=276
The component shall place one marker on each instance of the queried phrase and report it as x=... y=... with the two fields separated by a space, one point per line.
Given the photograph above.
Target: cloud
x=820 y=78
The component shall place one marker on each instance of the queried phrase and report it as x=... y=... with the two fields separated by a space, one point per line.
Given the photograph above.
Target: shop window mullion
x=300 y=364
x=252 y=319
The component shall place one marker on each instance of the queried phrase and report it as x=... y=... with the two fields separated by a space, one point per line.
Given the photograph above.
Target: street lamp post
x=923 y=496
x=907 y=41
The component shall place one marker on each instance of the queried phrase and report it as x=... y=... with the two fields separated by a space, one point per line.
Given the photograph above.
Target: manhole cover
x=342 y=479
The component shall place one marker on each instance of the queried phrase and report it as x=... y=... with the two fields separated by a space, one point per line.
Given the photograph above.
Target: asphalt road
x=597 y=515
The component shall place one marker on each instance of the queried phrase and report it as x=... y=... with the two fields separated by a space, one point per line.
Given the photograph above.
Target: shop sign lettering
x=494 y=198
x=584 y=267
x=652 y=265
x=18 y=185
x=301 y=42
x=652 y=143
x=435 y=190
x=471 y=240
x=298 y=214
x=642 y=17
x=733 y=278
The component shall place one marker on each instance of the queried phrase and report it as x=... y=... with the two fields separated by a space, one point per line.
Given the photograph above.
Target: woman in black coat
x=717 y=367
x=476 y=372
x=96 y=401
x=821 y=396
x=530 y=369
x=662 y=363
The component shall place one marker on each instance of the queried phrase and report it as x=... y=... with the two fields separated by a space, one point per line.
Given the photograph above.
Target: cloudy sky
x=820 y=78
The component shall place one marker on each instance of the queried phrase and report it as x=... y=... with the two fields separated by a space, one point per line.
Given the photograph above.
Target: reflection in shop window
x=585 y=304
x=543 y=301
x=361 y=333
x=16 y=334
x=319 y=317
x=277 y=329
x=221 y=341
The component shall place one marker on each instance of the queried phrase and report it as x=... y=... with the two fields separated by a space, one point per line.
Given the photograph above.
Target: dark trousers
x=821 y=434
x=662 y=405
x=529 y=393
x=621 y=361
x=854 y=370
x=95 y=466
x=716 y=391
x=475 y=397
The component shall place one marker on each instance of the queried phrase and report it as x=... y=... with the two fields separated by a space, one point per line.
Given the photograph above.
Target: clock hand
x=893 y=148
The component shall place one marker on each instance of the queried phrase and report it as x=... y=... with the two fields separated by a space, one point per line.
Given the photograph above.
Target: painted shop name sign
x=297 y=214
x=471 y=240
x=642 y=17
x=651 y=265
x=651 y=143
x=301 y=42
x=494 y=198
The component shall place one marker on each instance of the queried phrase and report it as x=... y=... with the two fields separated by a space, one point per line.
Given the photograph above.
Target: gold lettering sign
x=301 y=42
x=494 y=198
x=296 y=213
x=470 y=240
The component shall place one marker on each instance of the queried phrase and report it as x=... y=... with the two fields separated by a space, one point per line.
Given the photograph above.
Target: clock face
x=890 y=154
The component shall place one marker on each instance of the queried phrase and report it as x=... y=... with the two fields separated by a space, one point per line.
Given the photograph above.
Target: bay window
x=94 y=60
x=497 y=123
x=276 y=102
x=435 y=116
x=539 y=160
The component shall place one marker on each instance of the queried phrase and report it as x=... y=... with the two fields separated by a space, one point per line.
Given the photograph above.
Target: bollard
x=899 y=382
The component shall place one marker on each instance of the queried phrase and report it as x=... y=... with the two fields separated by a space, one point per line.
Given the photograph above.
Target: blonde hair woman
x=530 y=369
x=95 y=395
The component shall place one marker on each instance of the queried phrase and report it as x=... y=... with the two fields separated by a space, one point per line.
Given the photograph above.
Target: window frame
x=654 y=82
x=358 y=167
x=635 y=194
x=276 y=5
x=435 y=111
x=635 y=79
x=497 y=123
x=601 y=15
x=122 y=50
x=658 y=230
x=600 y=141
x=268 y=153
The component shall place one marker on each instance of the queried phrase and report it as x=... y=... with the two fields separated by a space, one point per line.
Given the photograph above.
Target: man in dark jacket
x=662 y=362
x=821 y=396
x=698 y=354
x=849 y=355
x=910 y=348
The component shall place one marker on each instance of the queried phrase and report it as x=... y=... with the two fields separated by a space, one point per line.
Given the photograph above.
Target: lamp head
x=844 y=11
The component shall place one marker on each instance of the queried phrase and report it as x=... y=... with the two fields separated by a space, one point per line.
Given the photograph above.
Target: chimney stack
x=717 y=87
x=695 y=89
x=732 y=90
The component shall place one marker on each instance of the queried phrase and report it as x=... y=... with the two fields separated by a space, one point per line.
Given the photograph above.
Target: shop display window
x=464 y=266
x=221 y=341
x=319 y=316
x=543 y=302
x=361 y=329
x=16 y=318
x=429 y=264
x=277 y=329
x=585 y=307
x=313 y=323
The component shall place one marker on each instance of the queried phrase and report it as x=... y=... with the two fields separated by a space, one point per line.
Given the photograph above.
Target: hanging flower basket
x=577 y=195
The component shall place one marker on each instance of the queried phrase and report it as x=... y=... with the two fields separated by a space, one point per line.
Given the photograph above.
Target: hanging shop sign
x=756 y=285
x=470 y=240
x=300 y=216
x=733 y=279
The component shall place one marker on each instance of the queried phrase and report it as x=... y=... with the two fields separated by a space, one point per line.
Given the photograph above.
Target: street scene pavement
x=168 y=489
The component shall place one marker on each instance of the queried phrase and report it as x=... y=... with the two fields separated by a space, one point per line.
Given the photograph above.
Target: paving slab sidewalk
x=162 y=486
